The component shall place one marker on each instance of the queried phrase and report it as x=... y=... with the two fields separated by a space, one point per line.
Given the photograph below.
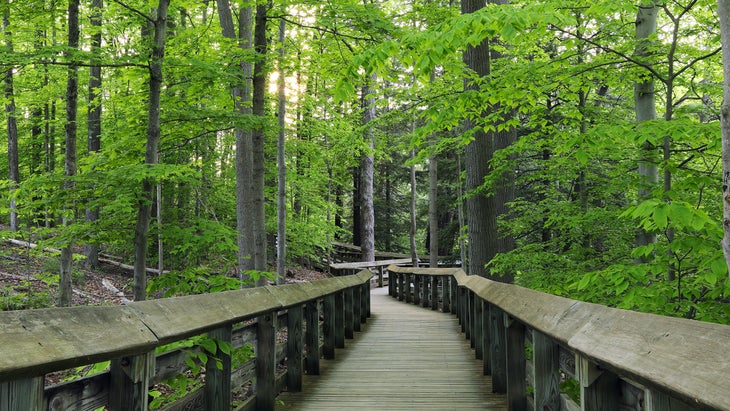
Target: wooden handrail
x=37 y=342
x=672 y=361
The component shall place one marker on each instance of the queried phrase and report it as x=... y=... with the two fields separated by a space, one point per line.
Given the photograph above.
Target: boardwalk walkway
x=406 y=358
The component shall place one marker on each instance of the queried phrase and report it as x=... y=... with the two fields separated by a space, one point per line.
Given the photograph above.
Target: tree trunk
x=645 y=106
x=65 y=290
x=244 y=144
x=412 y=236
x=433 y=212
x=480 y=208
x=281 y=160
x=463 y=249
x=356 y=206
x=258 y=139
x=367 y=170
x=91 y=251
x=14 y=173
x=144 y=211
x=723 y=11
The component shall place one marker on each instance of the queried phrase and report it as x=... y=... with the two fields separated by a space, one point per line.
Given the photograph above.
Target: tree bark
x=367 y=170
x=65 y=289
x=259 y=141
x=281 y=160
x=412 y=236
x=723 y=11
x=433 y=212
x=91 y=251
x=144 y=211
x=14 y=172
x=480 y=207
x=244 y=143
x=645 y=106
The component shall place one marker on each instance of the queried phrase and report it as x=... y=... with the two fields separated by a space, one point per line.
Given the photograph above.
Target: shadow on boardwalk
x=406 y=358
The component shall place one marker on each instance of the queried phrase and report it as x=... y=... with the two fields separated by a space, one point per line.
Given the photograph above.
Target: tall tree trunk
x=645 y=106
x=723 y=10
x=244 y=143
x=412 y=236
x=480 y=208
x=433 y=212
x=258 y=140
x=367 y=171
x=144 y=211
x=91 y=251
x=281 y=160
x=65 y=290
x=356 y=206
x=14 y=174
x=463 y=249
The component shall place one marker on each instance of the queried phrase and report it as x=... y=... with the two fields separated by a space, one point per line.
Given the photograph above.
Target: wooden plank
x=370 y=264
x=130 y=377
x=294 y=348
x=546 y=372
x=266 y=362
x=515 y=351
x=218 y=380
x=328 y=328
x=391 y=366
x=340 y=320
x=22 y=395
x=312 y=338
x=497 y=351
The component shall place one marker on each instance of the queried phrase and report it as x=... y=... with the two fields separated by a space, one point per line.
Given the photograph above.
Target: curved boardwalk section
x=406 y=358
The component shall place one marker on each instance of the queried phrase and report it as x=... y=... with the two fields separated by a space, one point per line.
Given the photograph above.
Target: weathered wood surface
x=406 y=358
x=689 y=360
x=370 y=264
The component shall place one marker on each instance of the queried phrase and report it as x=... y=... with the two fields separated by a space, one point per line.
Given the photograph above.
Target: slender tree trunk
x=244 y=143
x=70 y=158
x=463 y=249
x=14 y=174
x=480 y=207
x=412 y=236
x=91 y=251
x=259 y=141
x=645 y=106
x=281 y=160
x=367 y=167
x=723 y=11
x=433 y=212
x=356 y=206
x=144 y=212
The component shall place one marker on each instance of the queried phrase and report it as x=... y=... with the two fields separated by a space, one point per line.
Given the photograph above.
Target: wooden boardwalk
x=406 y=358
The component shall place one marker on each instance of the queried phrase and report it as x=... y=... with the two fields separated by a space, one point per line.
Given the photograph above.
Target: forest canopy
x=568 y=146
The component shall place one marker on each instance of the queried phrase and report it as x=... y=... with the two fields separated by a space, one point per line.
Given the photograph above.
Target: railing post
x=266 y=361
x=486 y=338
x=469 y=316
x=364 y=291
x=546 y=374
x=454 y=296
x=434 y=292
x=349 y=330
x=130 y=378
x=312 y=338
x=599 y=389
x=329 y=327
x=218 y=380
x=417 y=280
x=446 y=293
x=356 y=307
x=658 y=401
x=22 y=395
x=462 y=308
x=380 y=276
x=497 y=349
x=401 y=286
x=340 y=320
x=478 y=333
x=392 y=284
x=409 y=289
x=516 y=374
x=425 y=292
x=294 y=348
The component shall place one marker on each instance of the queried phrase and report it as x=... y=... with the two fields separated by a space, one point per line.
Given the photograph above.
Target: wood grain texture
x=407 y=358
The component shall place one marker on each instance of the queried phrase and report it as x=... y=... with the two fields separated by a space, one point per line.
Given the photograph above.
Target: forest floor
x=29 y=279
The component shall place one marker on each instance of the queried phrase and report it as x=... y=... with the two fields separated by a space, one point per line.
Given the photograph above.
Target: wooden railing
x=37 y=342
x=530 y=342
x=339 y=269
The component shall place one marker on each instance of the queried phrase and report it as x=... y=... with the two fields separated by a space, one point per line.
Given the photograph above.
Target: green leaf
x=209 y=345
